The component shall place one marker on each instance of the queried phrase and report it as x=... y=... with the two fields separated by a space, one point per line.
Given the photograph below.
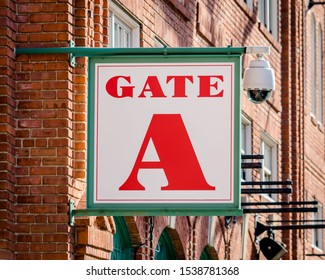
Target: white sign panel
x=163 y=133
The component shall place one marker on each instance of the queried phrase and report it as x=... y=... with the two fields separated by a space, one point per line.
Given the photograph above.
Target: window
x=124 y=32
x=315 y=72
x=269 y=163
x=320 y=74
x=313 y=66
x=317 y=240
x=246 y=146
x=268 y=15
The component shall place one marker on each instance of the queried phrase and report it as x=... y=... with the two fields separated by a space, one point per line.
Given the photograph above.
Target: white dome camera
x=259 y=80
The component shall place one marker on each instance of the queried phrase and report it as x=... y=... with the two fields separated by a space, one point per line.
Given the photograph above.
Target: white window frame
x=272 y=170
x=268 y=15
x=246 y=137
x=122 y=19
x=318 y=233
x=320 y=74
x=313 y=66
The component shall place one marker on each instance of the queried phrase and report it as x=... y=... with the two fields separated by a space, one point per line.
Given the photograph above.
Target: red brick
x=23 y=247
x=55 y=199
x=55 y=123
x=56 y=256
x=25 y=219
x=42 y=170
x=55 y=27
x=29 y=238
x=43 y=17
x=43 y=247
x=29 y=256
x=58 y=219
x=58 y=143
x=55 y=104
x=41 y=219
x=28 y=161
x=55 y=180
x=30 y=180
x=43 y=133
x=42 y=37
x=43 y=228
x=41 y=142
x=43 y=75
x=42 y=209
x=29 y=8
x=28 y=143
x=30 y=105
x=29 y=123
x=30 y=28
x=56 y=237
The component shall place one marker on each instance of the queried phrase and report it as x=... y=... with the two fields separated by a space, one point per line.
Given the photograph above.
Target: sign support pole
x=99 y=52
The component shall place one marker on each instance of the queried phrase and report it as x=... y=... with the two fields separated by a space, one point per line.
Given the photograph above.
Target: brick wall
x=44 y=133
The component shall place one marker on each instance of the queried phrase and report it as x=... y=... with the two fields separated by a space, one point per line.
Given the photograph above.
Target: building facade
x=43 y=126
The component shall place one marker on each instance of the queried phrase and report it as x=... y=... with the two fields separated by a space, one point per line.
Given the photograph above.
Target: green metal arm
x=92 y=52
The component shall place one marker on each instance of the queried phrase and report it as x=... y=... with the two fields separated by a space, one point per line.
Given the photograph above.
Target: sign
x=164 y=135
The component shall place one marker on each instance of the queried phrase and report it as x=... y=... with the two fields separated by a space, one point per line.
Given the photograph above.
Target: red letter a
x=176 y=154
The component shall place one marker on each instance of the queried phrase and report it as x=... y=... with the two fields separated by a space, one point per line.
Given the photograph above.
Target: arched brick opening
x=209 y=253
x=94 y=238
x=169 y=245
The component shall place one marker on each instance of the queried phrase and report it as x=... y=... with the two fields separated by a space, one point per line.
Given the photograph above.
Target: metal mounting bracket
x=72 y=57
x=71 y=214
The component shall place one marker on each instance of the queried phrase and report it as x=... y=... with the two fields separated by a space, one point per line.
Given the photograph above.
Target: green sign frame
x=167 y=55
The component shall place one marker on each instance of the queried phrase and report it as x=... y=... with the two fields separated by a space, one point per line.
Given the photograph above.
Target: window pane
x=320 y=75
x=268 y=15
x=267 y=156
x=269 y=169
x=313 y=65
x=261 y=10
x=318 y=233
x=121 y=36
x=128 y=40
x=116 y=36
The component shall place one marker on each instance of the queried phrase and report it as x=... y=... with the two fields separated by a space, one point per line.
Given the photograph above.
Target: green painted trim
x=90 y=52
x=237 y=131
x=165 y=249
x=170 y=211
x=90 y=133
x=122 y=243
x=205 y=255
x=122 y=228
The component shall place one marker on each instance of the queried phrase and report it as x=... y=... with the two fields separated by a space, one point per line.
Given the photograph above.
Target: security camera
x=258 y=80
